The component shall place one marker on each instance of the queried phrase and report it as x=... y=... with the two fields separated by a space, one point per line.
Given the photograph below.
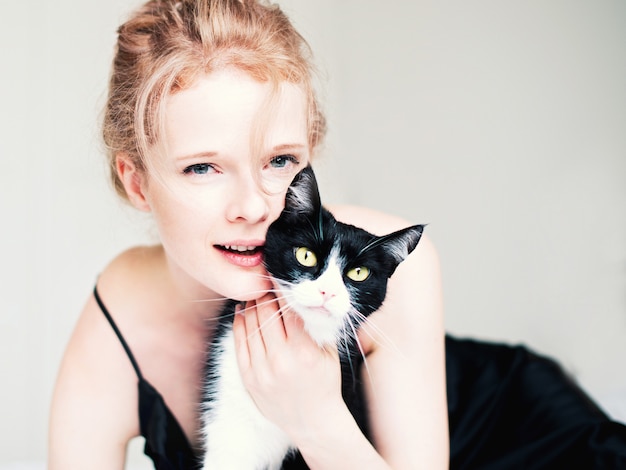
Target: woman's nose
x=248 y=203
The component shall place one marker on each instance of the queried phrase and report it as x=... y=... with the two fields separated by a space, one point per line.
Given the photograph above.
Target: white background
x=502 y=124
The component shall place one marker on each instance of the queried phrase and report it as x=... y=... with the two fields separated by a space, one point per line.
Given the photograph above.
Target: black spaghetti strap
x=166 y=442
x=117 y=332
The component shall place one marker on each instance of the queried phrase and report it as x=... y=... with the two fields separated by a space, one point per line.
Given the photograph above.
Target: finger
x=270 y=320
x=283 y=307
x=254 y=338
x=291 y=320
x=294 y=326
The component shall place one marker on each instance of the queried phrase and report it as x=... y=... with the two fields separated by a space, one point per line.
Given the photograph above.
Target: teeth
x=239 y=248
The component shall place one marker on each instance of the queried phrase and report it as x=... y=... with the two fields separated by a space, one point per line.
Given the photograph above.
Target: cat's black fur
x=304 y=222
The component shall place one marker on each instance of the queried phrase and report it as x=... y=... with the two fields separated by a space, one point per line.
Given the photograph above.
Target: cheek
x=185 y=228
x=186 y=208
x=244 y=286
x=276 y=204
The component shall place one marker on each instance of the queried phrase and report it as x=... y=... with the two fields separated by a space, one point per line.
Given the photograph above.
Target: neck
x=197 y=302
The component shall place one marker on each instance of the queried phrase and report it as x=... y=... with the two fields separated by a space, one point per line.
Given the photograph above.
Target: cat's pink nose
x=326 y=295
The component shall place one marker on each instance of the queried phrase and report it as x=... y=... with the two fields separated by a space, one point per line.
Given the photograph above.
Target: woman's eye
x=198 y=169
x=359 y=274
x=282 y=161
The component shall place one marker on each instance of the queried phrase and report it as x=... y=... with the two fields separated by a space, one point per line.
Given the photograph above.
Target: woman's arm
x=94 y=407
x=405 y=375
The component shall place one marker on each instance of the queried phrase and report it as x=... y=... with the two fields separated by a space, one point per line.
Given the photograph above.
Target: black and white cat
x=319 y=263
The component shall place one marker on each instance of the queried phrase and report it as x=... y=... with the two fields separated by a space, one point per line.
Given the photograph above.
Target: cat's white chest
x=237 y=436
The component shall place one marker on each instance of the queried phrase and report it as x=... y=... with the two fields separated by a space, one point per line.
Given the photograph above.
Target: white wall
x=502 y=124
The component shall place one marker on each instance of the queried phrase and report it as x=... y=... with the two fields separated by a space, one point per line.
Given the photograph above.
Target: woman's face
x=209 y=189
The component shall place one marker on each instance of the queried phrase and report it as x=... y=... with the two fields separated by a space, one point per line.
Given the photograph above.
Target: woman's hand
x=294 y=383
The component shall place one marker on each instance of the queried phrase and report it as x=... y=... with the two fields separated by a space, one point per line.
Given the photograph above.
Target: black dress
x=512 y=409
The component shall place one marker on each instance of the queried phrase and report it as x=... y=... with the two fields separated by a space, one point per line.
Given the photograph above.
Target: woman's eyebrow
x=284 y=147
x=195 y=156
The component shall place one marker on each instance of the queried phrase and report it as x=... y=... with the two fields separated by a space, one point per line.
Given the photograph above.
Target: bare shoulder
x=128 y=275
x=381 y=223
x=94 y=408
x=133 y=263
x=371 y=220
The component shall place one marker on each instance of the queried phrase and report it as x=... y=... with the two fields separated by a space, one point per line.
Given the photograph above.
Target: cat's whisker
x=346 y=344
x=259 y=292
x=218 y=318
x=273 y=318
x=344 y=340
x=376 y=333
x=276 y=297
x=267 y=277
x=217 y=299
x=263 y=276
x=362 y=352
x=286 y=285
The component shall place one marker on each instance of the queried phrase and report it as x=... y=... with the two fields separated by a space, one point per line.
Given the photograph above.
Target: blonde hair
x=166 y=44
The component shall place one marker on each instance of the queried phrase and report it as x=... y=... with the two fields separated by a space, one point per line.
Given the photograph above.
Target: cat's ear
x=401 y=243
x=303 y=195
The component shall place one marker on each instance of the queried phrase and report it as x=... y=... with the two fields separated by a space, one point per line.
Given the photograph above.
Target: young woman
x=210 y=114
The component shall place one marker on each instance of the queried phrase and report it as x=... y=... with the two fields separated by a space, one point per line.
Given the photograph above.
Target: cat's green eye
x=358 y=274
x=306 y=257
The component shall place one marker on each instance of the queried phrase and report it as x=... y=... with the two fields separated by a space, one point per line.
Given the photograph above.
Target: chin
x=248 y=289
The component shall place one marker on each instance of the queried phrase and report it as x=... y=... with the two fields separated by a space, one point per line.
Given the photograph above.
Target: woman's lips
x=243 y=255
